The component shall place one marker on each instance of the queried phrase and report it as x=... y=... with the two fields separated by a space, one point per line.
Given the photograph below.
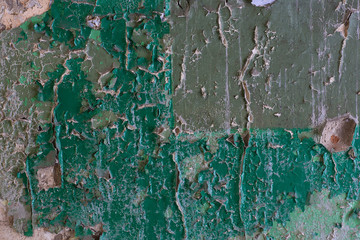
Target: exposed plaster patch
x=14 y=12
x=338 y=133
x=49 y=177
x=330 y=81
x=7 y=232
x=94 y=22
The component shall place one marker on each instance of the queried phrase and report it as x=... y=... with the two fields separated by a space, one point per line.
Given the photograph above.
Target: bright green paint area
x=95 y=34
x=102 y=101
x=210 y=201
x=324 y=217
x=22 y=80
x=103 y=132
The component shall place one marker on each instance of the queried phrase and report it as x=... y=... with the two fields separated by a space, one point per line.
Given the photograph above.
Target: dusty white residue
x=261 y=3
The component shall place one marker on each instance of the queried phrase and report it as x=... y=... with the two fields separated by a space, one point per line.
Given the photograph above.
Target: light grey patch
x=262 y=3
x=19 y=214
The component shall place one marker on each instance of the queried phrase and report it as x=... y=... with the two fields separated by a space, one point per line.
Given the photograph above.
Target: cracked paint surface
x=291 y=66
x=181 y=120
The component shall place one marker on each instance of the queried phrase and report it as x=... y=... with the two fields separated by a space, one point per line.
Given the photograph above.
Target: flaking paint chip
x=49 y=177
x=94 y=22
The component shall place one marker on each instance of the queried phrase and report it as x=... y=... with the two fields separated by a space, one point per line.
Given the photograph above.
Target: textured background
x=180 y=119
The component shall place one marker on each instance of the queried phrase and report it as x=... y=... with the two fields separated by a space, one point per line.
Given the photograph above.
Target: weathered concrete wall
x=182 y=119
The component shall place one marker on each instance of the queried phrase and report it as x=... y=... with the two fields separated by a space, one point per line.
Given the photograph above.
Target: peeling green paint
x=279 y=171
x=103 y=100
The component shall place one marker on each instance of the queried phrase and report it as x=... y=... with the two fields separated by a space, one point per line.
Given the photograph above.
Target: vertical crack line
x=335 y=168
x=357 y=62
x=313 y=104
x=240 y=180
x=250 y=117
x=227 y=93
x=246 y=142
x=343 y=29
x=177 y=193
x=183 y=71
x=342 y=54
x=243 y=83
x=52 y=116
x=182 y=84
x=55 y=89
x=221 y=28
x=127 y=54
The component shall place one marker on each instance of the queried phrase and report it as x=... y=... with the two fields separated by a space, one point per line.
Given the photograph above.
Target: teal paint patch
x=117 y=172
x=281 y=170
x=209 y=199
